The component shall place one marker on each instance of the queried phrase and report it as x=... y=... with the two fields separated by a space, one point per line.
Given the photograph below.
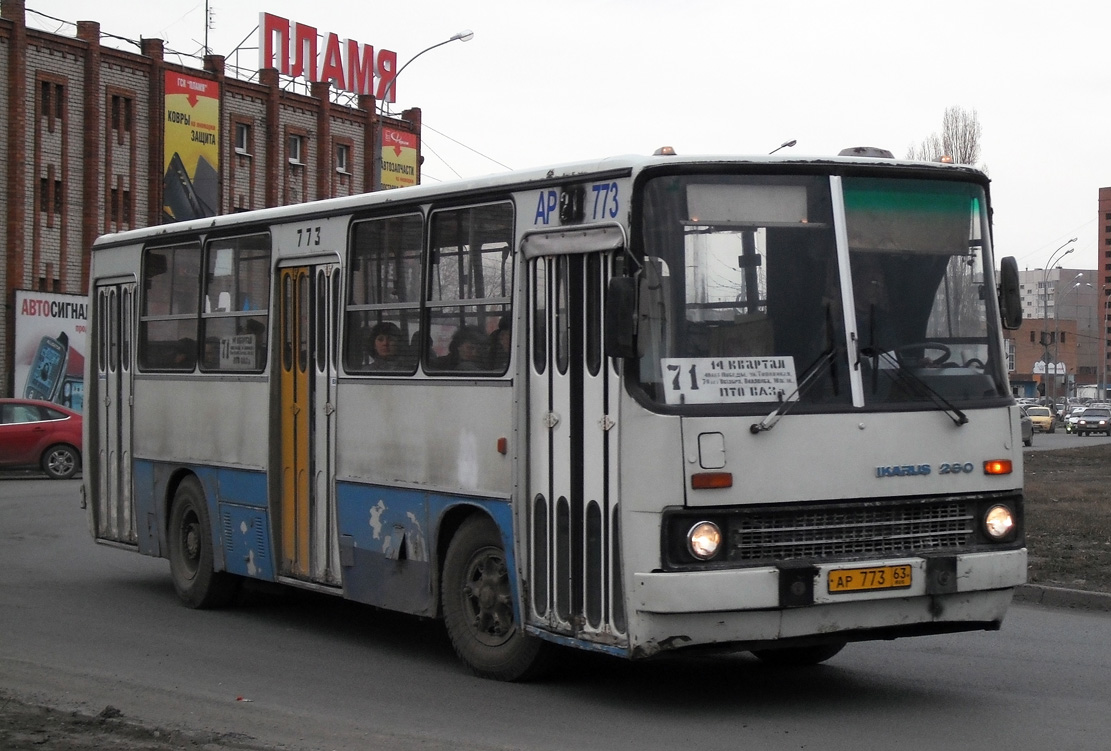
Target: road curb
x=1062 y=597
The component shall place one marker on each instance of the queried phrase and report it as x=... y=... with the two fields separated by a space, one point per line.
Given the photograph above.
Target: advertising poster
x=191 y=183
x=399 y=156
x=50 y=333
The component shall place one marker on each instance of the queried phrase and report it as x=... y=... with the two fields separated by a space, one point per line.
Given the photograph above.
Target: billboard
x=50 y=332
x=398 y=158
x=191 y=184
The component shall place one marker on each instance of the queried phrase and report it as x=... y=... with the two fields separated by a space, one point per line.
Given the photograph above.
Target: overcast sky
x=552 y=82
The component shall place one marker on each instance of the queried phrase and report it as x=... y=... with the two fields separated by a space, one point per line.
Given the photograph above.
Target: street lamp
x=1073 y=285
x=463 y=36
x=1055 y=256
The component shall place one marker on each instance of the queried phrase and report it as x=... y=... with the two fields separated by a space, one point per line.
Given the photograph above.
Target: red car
x=40 y=434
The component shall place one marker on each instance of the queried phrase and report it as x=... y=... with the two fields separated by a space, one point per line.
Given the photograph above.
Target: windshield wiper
x=809 y=377
x=906 y=377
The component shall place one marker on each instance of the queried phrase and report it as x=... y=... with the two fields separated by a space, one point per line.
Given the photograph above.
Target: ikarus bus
x=637 y=405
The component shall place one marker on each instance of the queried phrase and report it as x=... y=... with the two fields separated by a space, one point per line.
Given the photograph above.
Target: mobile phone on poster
x=47 y=368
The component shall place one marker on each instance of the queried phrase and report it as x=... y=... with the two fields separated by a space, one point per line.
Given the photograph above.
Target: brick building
x=1104 y=235
x=83 y=130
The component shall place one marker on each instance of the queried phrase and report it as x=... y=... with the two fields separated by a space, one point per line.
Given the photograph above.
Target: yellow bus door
x=309 y=546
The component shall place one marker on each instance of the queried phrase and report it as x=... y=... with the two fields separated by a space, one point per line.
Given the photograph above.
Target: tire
x=793 y=657
x=478 y=607
x=61 y=462
x=1028 y=442
x=191 y=554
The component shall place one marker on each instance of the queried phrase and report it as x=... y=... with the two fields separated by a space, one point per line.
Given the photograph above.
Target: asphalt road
x=1062 y=440
x=84 y=626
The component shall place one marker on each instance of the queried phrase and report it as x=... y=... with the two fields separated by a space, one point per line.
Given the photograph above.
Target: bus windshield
x=747 y=300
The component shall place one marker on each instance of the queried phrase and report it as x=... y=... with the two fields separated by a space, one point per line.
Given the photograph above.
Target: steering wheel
x=902 y=352
x=974 y=362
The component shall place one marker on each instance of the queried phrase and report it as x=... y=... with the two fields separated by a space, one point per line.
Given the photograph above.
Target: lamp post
x=1073 y=285
x=463 y=36
x=1055 y=256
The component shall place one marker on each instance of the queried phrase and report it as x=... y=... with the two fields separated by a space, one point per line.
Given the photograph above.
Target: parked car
x=40 y=434
x=1094 y=420
x=1042 y=417
x=1027 y=426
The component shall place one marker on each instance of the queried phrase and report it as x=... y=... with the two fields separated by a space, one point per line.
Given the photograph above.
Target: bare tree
x=959 y=139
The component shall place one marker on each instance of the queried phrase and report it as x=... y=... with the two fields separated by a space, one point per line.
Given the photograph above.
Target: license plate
x=868 y=579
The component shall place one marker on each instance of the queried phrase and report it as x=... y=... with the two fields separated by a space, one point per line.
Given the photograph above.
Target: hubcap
x=486 y=598
x=60 y=462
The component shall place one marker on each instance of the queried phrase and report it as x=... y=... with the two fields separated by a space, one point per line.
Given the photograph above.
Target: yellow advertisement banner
x=399 y=158
x=191 y=185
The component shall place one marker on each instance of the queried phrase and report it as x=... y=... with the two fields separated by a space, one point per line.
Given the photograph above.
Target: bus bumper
x=760 y=605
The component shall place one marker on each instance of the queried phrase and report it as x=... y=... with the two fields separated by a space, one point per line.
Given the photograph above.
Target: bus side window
x=470 y=288
x=382 y=319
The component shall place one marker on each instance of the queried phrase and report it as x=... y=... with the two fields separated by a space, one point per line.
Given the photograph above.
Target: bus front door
x=574 y=562
x=110 y=457
x=306 y=525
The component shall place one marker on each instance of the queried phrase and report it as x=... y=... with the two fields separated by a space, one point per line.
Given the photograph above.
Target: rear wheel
x=798 y=656
x=191 y=555
x=61 y=462
x=478 y=607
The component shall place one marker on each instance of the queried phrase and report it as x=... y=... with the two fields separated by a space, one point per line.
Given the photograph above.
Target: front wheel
x=191 y=555
x=478 y=607
x=793 y=657
x=61 y=462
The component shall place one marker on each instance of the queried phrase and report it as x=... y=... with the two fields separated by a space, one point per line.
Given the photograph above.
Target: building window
x=50 y=196
x=121 y=113
x=120 y=208
x=296 y=150
x=242 y=138
x=343 y=158
x=53 y=102
x=1031 y=337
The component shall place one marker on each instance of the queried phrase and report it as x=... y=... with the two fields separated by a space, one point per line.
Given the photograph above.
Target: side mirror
x=620 y=317
x=1010 y=298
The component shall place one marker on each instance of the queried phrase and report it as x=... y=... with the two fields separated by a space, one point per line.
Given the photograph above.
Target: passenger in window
x=387 y=347
x=467 y=350
x=499 y=345
x=184 y=355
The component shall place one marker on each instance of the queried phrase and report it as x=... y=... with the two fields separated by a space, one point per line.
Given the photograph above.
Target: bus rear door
x=110 y=456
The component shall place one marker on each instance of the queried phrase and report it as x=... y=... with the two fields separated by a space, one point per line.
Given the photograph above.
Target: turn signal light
x=710 y=480
x=998 y=467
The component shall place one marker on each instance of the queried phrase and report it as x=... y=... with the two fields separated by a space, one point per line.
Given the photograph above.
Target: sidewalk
x=1062 y=597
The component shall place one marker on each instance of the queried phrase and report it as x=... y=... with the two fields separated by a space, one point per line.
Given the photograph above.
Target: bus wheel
x=478 y=607
x=798 y=656
x=190 y=538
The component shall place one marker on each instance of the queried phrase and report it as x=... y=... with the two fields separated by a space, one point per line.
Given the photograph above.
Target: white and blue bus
x=635 y=405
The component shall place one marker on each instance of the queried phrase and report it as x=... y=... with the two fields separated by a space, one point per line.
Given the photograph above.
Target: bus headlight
x=999 y=521
x=703 y=540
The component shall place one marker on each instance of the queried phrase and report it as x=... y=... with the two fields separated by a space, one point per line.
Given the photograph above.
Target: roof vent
x=866 y=151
